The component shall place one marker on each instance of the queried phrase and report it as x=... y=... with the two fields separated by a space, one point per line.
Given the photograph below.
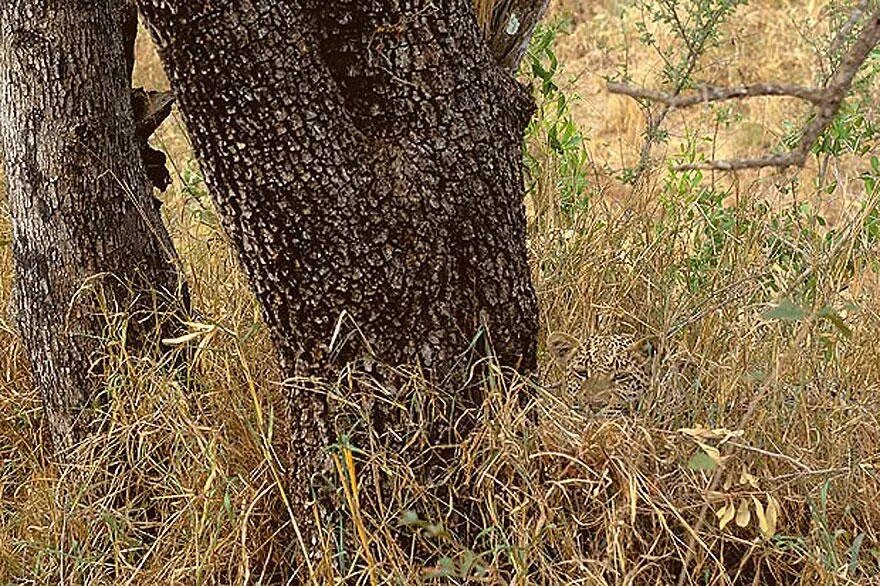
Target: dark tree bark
x=377 y=172
x=509 y=27
x=84 y=223
x=366 y=159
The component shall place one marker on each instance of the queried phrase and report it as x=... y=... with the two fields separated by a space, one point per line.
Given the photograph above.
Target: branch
x=129 y=22
x=826 y=99
x=717 y=94
x=844 y=32
x=150 y=109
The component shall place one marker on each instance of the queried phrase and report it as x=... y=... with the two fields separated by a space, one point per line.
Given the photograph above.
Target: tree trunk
x=376 y=175
x=87 y=235
x=509 y=25
x=366 y=159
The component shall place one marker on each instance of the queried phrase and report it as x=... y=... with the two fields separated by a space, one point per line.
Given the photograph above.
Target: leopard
x=610 y=373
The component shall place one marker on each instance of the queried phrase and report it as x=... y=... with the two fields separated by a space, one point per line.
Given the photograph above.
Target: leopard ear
x=562 y=347
x=645 y=348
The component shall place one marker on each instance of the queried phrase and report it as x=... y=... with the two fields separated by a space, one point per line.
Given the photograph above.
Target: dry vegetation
x=186 y=486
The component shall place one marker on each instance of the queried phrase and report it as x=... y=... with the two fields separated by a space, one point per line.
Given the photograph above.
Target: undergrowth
x=753 y=460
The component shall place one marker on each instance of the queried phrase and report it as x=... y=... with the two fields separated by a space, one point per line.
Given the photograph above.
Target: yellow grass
x=186 y=486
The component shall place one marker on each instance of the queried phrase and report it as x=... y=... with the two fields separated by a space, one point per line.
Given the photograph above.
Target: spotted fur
x=610 y=373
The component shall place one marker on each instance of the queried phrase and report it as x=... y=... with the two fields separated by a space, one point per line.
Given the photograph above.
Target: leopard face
x=608 y=372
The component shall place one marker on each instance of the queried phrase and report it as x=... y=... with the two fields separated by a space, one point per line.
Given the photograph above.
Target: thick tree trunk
x=85 y=225
x=377 y=175
x=366 y=159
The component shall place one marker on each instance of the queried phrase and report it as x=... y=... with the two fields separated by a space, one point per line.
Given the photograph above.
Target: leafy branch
x=827 y=100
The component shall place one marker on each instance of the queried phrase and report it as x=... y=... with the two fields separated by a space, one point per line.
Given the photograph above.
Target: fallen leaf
x=749 y=479
x=743 y=515
x=725 y=514
x=767 y=524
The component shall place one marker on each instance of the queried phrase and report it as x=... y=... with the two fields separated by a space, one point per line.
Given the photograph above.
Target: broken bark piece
x=151 y=108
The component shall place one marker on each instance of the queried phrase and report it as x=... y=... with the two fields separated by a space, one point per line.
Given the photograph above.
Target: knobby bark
x=365 y=156
x=87 y=239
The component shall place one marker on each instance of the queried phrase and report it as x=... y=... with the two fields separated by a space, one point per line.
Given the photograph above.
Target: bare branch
x=790 y=159
x=716 y=94
x=827 y=100
x=695 y=49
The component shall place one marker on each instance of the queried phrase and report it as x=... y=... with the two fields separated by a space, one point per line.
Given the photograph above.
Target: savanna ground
x=753 y=460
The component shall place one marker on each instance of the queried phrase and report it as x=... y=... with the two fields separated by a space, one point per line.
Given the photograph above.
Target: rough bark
x=365 y=156
x=509 y=25
x=390 y=189
x=87 y=238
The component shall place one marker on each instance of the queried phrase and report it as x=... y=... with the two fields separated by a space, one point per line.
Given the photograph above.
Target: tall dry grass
x=186 y=485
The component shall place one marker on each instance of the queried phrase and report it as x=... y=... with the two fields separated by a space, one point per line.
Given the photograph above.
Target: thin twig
x=695 y=51
x=843 y=34
x=827 y=100
x=794 y=461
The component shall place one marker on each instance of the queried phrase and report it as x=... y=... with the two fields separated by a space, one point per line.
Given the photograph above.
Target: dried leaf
x=767 y=524
x=772 y=512
x=728 y=481
x=725 y=515
x=206 y=340
x=633 y=500
x=181 y=339
x=720 y=434
x=748 y=479
x=194 y=325
x=743 y=514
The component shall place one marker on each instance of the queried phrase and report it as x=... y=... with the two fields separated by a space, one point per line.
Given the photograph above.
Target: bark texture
x=84 y=226
x=509 y=25
x=366 y=159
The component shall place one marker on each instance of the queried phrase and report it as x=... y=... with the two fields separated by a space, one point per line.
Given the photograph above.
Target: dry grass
x=186 y=484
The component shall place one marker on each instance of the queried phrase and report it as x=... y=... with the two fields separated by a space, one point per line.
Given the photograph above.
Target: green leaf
x=227 y=502
x=831 y=315
x=702 y=461
x=409 y=518
x=468 y=562
x=786 y=310
x=854 y=555
x=539 y=71
x=445 y=568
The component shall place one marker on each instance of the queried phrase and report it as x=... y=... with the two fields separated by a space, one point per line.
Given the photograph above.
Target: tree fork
x=508 y=26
